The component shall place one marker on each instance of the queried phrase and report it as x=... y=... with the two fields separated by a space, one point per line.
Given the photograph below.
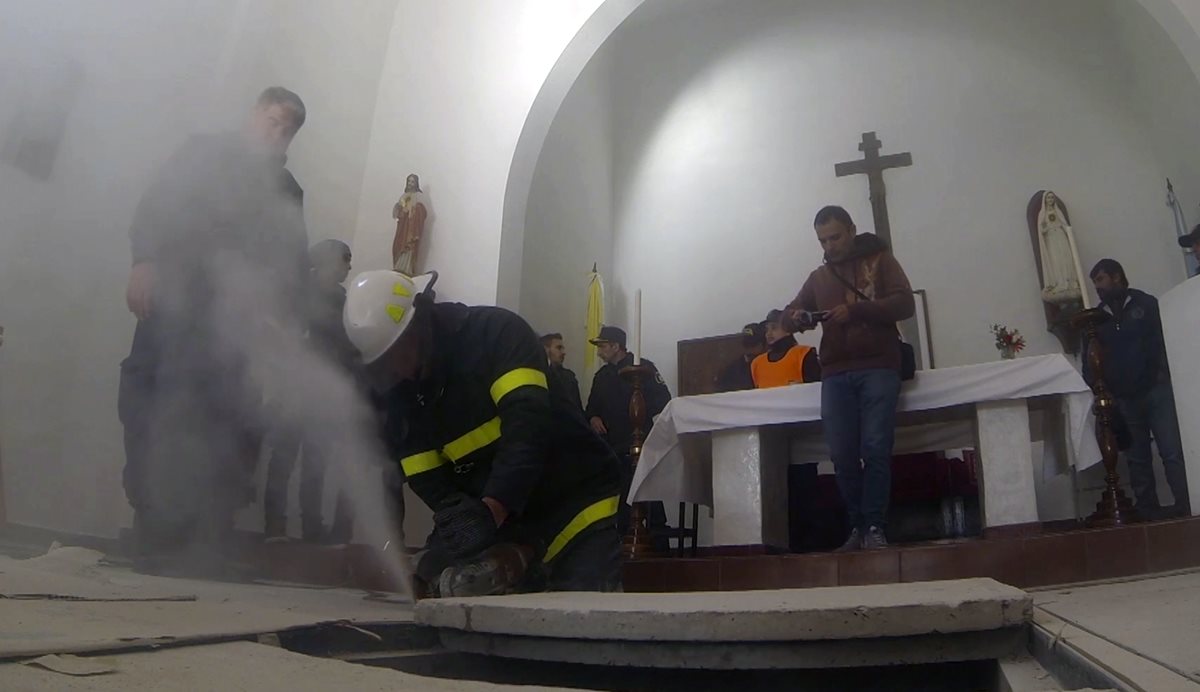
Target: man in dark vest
x=220 y=267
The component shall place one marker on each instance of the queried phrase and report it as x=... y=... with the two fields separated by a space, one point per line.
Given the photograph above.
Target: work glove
x=465 y=526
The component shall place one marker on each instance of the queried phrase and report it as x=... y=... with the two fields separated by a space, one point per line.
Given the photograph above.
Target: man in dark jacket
x=488 y=441
x=219 y=269
x=608 y=412
x=737 y=376
x=864 y=292
x=1135 y=371
x=556 y=356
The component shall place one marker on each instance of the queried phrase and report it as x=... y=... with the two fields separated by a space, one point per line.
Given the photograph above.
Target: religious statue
x=410 y=214
x=1057 y=256
x=1060 y=257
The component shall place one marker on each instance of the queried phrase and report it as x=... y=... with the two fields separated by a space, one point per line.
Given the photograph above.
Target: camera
x=809 y=320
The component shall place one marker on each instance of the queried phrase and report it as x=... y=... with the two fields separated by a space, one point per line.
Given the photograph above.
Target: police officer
x=492 y=445
x=736 y=376
x=219 y=260
x=608 y=411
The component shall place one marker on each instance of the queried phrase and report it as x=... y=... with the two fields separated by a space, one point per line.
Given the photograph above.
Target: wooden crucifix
x=873 y=165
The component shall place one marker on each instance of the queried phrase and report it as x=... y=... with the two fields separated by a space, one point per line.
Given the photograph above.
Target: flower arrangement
x=1008 y=341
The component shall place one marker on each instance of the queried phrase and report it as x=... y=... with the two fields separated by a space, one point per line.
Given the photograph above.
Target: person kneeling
x=524 y=494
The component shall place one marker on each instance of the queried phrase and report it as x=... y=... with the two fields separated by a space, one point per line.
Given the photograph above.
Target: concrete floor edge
x=1075 y=665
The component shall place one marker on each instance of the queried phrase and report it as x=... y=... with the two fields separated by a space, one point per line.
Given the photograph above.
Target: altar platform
x=1056 y=556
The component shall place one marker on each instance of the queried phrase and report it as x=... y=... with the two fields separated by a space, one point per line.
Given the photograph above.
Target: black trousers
x=288 y=445
x=591 y=562
x=189 y=455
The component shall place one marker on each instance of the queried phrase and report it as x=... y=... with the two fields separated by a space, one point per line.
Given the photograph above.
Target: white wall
x=569 y=223
x=731 y=118
x=1164 y=97
x=155 y=72
x=459 y=79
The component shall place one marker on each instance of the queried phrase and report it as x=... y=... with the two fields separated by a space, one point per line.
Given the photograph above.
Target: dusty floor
x=142 y=632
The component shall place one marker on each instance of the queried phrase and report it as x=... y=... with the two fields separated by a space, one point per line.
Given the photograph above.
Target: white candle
x=637 y=326
x=1085 y=289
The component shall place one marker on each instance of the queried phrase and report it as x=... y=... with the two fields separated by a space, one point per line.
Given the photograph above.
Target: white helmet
x=379 y=307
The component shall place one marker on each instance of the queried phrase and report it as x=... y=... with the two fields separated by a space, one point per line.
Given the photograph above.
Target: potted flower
x=1009 y=342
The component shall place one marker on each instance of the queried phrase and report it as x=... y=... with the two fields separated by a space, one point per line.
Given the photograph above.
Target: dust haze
x=94 y=98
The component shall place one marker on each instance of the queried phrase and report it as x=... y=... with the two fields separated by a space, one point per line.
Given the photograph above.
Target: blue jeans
x=1153 y=413
x=858 y=413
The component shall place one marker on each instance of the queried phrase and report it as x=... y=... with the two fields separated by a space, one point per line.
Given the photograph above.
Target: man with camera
x=858 y=294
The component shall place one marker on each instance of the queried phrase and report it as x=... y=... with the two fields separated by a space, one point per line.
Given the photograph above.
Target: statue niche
x=1059 y=272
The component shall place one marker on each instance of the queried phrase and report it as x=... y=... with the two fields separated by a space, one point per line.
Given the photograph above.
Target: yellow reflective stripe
x=420 y=463
x=515 y=379
x=475 y=440
x=596 y=512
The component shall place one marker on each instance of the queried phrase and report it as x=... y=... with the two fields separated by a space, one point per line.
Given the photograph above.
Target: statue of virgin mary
x=1060 y=256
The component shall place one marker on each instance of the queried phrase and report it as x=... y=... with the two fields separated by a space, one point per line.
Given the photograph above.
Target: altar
x=730 y=451
x=1180 y=313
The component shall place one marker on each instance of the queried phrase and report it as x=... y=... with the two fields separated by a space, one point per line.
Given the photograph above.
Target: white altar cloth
x=667 y=472
x=1180 y=314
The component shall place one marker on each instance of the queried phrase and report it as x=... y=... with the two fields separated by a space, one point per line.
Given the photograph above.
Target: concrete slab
x=41 y=611
x=1025 y=674
x=748 y=656
x=886 y=625
x=858 y=612
x=1079 y=658
x=1153 y=617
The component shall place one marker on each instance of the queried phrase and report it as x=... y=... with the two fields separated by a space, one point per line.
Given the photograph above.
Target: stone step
x=891 y=624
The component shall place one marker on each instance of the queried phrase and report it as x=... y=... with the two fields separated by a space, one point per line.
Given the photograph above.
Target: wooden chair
x=682 y=533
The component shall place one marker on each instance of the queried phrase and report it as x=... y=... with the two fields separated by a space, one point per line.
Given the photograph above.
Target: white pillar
x=1007 y=487
x=750 y=487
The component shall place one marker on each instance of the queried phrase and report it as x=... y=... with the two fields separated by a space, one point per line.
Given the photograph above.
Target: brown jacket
x=870 y=340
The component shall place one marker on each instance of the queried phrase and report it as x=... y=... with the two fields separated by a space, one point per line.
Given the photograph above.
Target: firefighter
x=524 y=494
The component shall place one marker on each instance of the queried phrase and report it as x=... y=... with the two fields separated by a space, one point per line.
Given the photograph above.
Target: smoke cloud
x=94 y=98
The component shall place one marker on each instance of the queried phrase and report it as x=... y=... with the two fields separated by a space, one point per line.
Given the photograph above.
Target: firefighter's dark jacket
x=489 y=422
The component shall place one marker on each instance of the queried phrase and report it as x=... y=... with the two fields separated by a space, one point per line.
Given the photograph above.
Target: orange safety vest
x=785 y=371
